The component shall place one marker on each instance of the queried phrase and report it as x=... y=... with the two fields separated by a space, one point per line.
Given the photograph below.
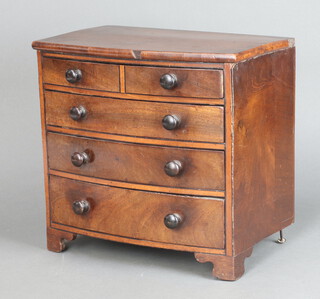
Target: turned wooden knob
x=78 y=159
x=169 y=81
x=173 y=168
x=171 y=122
x=77 y=113
x=81 y=207
x=173 y=220
x=73 y=75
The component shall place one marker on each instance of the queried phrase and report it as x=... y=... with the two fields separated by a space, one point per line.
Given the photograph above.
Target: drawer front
x=97 y=76
x=138 y=214
x=136 y=118
x=135 y=163
x=196 y=83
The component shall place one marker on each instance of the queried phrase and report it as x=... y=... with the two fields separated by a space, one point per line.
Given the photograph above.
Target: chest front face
x=163 y=148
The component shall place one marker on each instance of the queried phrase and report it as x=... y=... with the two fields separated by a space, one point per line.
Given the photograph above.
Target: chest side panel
x=263 y=146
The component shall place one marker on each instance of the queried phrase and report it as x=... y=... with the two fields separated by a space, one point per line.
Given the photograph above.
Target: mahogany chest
x=172 y=139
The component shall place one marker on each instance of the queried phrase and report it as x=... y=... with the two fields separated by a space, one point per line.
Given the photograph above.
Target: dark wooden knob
x=79 y=159
x=73 y=75
x=171 y=122
x=169 y=81
x=77 y=113
x=81 y=207
x=173 y=168
x=173 y=220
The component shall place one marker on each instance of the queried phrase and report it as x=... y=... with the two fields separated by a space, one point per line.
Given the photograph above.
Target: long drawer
x=135 y=118
x=137 y=214
x=136 y=163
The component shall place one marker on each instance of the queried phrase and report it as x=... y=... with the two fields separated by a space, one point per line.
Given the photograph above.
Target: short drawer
x=137 y=214
x=135 y=118
x=197 y=83
x=136 y=163
x=88 y=75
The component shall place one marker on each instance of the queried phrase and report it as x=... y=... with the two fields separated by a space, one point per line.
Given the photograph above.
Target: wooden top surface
x=162 y=44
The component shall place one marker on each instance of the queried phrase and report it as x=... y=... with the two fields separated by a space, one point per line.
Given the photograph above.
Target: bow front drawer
x=89 y=75
x=137 y=214
x=136 y=163
x=136 y=118
x=161 y=81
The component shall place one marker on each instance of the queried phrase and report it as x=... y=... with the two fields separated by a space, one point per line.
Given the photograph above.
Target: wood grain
x=202 y=169
x=122 y=79
x=162 y=44
x=98 y=76
x=149 y=141
x=140 y=97
x=89 y=58
x=138 y=214
x=136 y=118
x=44 y=138
x=225 y=267
x=263 y=147
x=191 y=82
x=139 y=242
x=152 y=188
x=229 y=157
x=235 y=96
x=56 y=239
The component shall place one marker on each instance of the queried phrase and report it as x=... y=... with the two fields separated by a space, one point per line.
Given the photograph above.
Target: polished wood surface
x=263 y=147
x=56 y=239
x=229 y=157
x=138 y=163
x=136 y=118
x=140 y=97
x=139 y=242
x=225 y=267
x=135 y=186
x=137 y=214
x=162 y=44
x=191 y=82
x=186 y=64
x=44 y=138
x=234 y=144
x=135 y=139
x=94 y=75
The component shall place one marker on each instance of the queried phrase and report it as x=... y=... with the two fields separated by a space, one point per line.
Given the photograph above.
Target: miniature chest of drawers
x=172 y=139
